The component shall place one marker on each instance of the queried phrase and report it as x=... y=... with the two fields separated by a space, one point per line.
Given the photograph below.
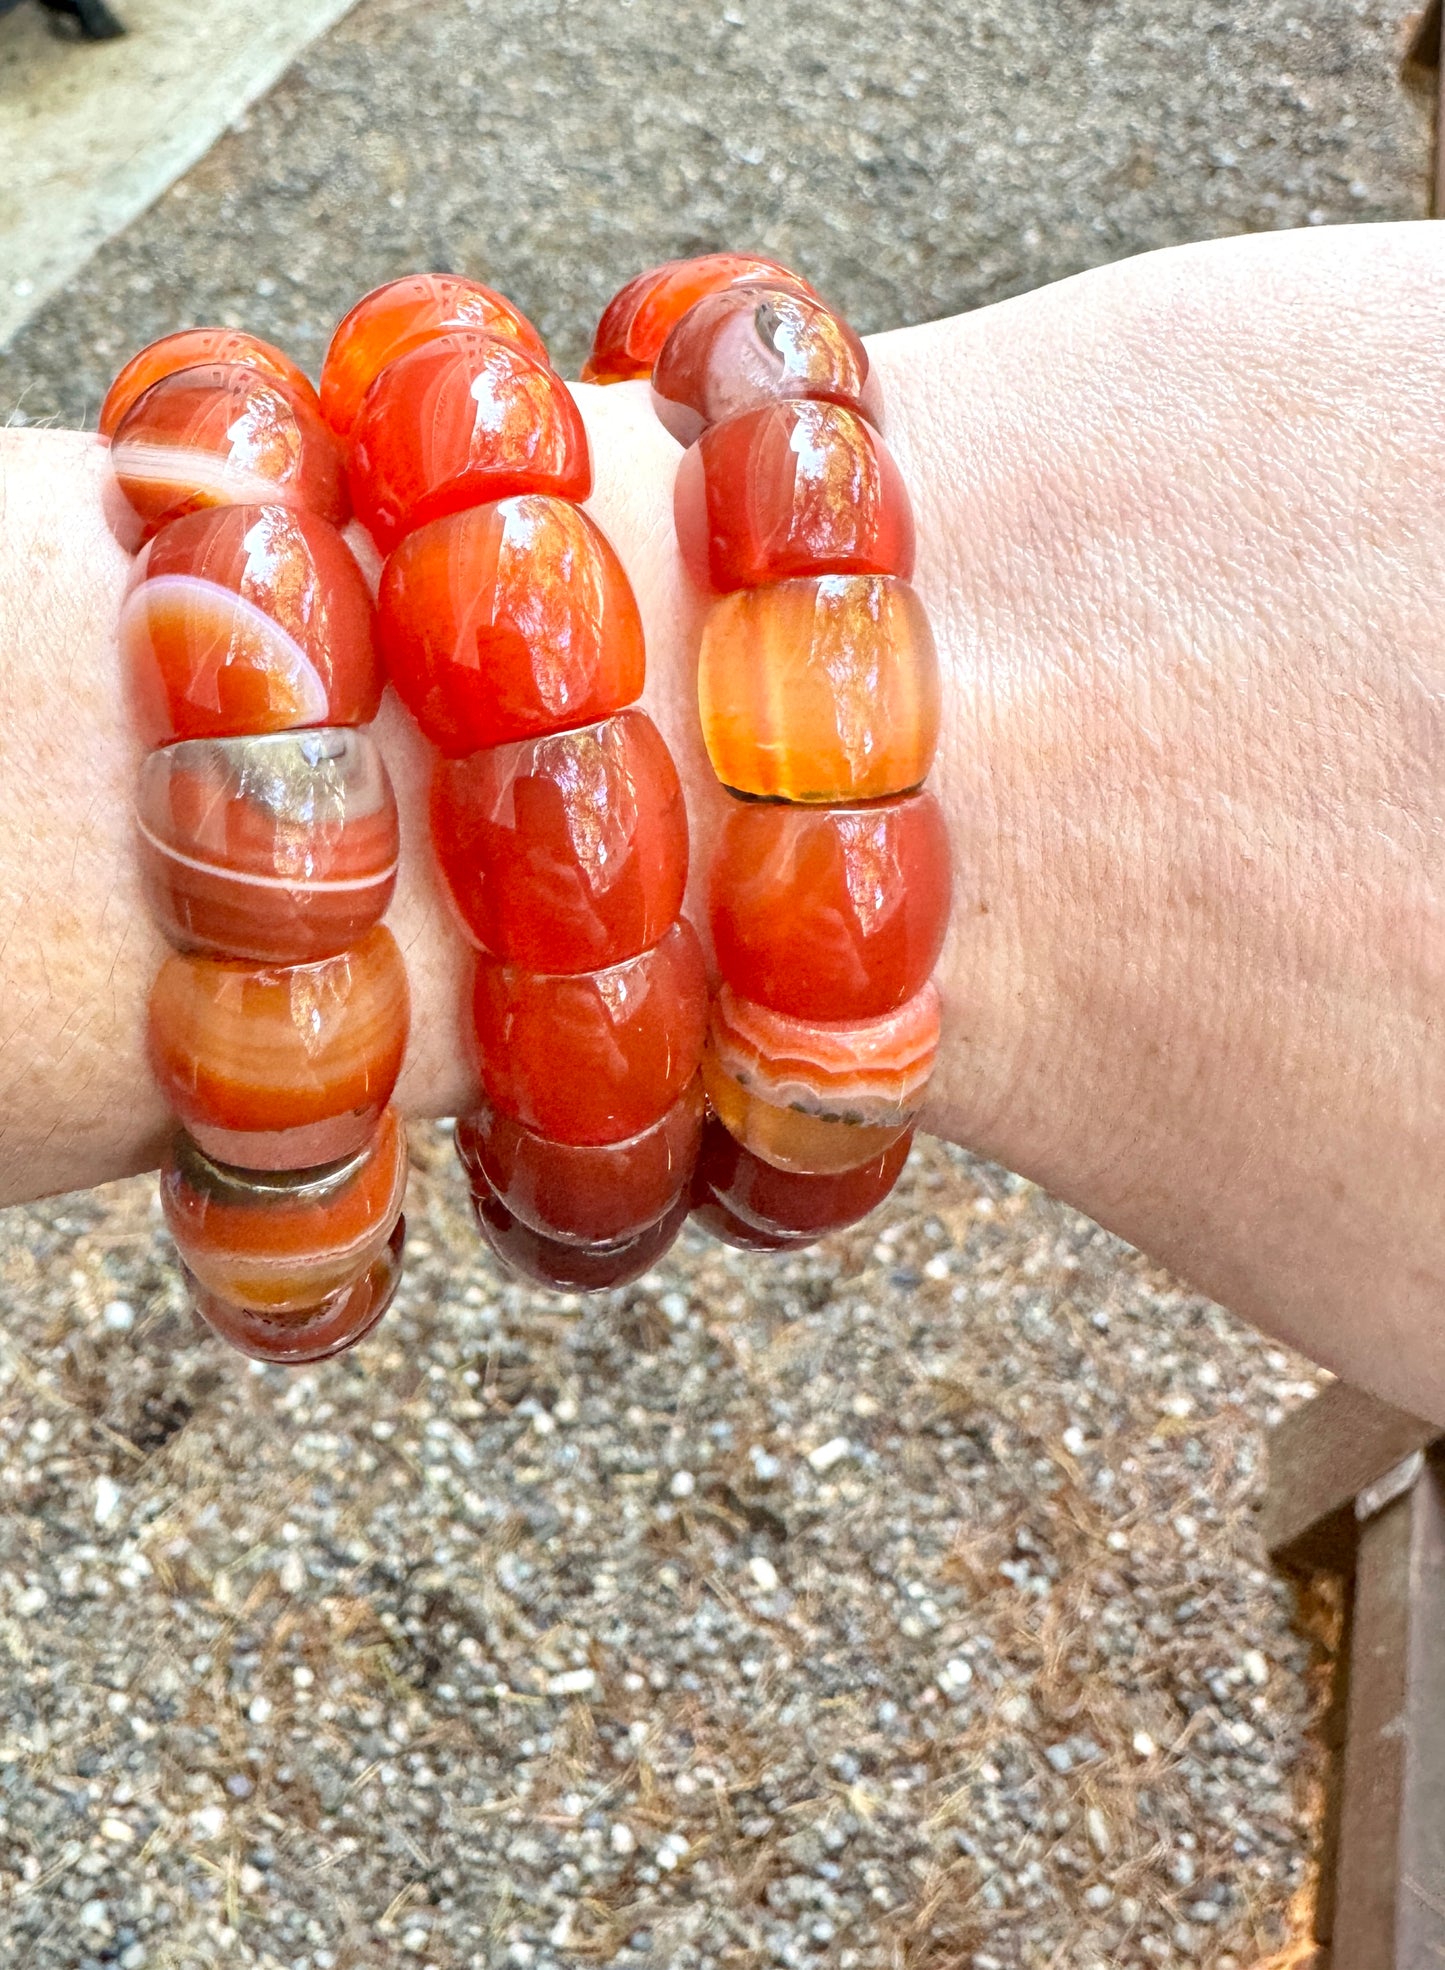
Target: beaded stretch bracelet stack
x=613 y=1101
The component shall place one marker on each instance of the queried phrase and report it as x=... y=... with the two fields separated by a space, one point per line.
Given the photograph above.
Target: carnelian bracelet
x=818 y=693
x=268 y=845
x=613 y=1100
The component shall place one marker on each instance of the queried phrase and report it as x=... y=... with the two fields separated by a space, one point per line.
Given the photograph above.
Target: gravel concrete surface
x=893 y=1604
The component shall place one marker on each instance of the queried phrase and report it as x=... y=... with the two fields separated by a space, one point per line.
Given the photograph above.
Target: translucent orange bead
x=399 y=317
x=784 y=1204
x=458 y=421
x=184 y=350
x=818 y=1096
x=758 y=345
x=830 y=912
x=281 y=1068
x=283 y=1241
x=280 y=848
x=567 y=853
x=564 y=1268
x=789 y=490
x=581 y=1194
x=247 y=619
x=224 y=434
x=508 y=622
x=822 y=690
x=311 y=1333
x=597 y=1057
x=640 y=316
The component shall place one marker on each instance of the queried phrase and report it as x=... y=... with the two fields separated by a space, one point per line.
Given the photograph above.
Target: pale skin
x=1181 y=534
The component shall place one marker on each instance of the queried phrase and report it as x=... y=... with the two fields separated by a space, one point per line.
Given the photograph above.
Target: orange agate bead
x=280 y=848
x=399 y=317
x=830 y=912
x=457 y=421
x=560 y=1267
x=816 y=1095
x=756 y=345
x=584 y=1194
x=711 y=1215
x=597 y=1057
x=284 y=1241
x=508 y=622
x=783 y=1203
x=787 y=490
x=184 y=350
x=247 y=619
x=286 y=1067
x=566 y=853
x=224 y=434
x=299 y=1335
x=824 y=690
x=640 y=316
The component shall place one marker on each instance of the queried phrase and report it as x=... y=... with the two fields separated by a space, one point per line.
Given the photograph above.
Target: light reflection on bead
x=282 y=1241
x=824 y=690
x=223 y=434
x=310 y=1333
x=280 y=848
x=247 y=619
x=281 y=1067
x=186 y=349
x=394 y=319
x=640 y=316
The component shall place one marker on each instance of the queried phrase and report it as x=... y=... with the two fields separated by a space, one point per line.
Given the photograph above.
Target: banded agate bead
x=783 y=1203
x=399 y=317
x=560 y=1267
x=640 y=316
x=189 y=347
x=305 y=1334
x=818 y=1096
x=280 y=848
x=830 y=912
x=788 y=490
x=507 y=622
x=567 y=853
x=584 y=1194
x=597 y=1057
x=284 y=1241
x=756 y=345
x=247 y=619
x=284 y=1067
x=458 y=421
x=822 y=690
x=224 y=434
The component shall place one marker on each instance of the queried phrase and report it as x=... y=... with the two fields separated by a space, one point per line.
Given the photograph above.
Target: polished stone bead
x=758 y=345
x=567 y=853
x=597 y=1057
x=564 y=1268
x=508 y=622
x=640 y=316
x=284 y=1241
x=223 y=434
x=584 y=1194
x=830 y=912
x=784 y=1204
x=457 y=421
x=189 y=347
x=247 y=619
x=281 y=1067
x=824 y=690
x=280 y=848
x=334 y=1323
x=394 y=319
x=711 y=1215
x=818 y=1096
x=789 y=490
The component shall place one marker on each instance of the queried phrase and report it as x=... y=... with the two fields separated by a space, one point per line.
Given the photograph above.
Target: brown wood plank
x=1320 y=1458
x=1390 y=1883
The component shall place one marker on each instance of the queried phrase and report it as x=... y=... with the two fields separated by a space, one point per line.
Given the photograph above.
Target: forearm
x=1179 y=527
